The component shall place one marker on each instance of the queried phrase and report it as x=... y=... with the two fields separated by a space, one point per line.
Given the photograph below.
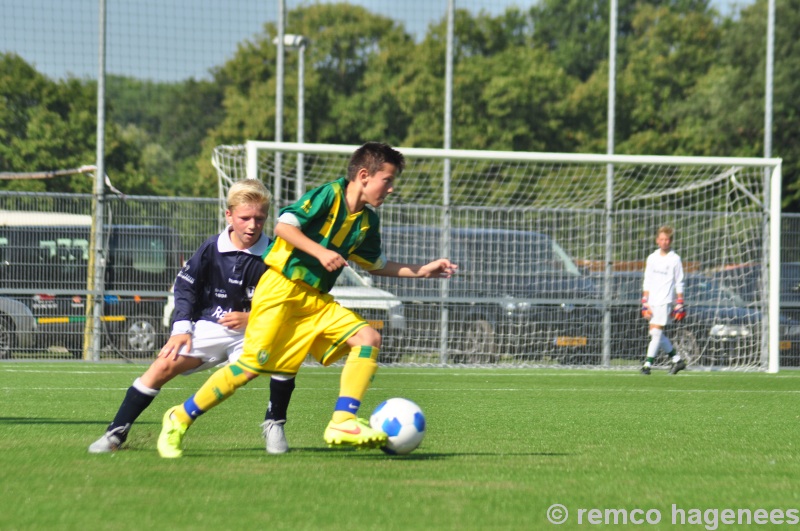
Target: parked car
x=747 y=280
x=721 y=328
x=17 y=327
x=516 y=293
x=44 y=260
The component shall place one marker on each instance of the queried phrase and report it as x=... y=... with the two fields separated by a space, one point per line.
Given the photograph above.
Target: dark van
x=44 y=261
x=516 y=293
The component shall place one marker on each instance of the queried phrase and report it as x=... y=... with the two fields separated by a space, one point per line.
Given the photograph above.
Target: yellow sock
x=358 y=372
x=219 y=386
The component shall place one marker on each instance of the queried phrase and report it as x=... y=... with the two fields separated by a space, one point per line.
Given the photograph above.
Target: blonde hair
x=248 y=192
x=665 y=229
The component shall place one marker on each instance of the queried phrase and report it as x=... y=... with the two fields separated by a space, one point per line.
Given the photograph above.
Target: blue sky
x=170 y=40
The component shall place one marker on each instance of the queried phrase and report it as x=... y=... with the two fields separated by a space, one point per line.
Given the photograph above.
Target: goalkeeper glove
x=646 y=312
x=679 y=310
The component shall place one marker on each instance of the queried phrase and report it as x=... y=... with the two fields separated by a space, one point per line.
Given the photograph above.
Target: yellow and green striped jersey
x=324 y=217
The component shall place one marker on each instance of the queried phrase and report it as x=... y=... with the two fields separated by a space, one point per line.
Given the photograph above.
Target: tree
x=724 y=113
x=668 y=52
x=168 y=123
x=744 y=51
x=507 y=95
x=50 y=125
x=347 y=42
x=576 y=31
x=44 y=126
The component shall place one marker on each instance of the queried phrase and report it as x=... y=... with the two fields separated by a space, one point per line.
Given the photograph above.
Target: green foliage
x=44 y=126
x=521 y=89
x=664 y=60
x=167 y=123
x=744 y=46
x=688 y=81
x=577 y=34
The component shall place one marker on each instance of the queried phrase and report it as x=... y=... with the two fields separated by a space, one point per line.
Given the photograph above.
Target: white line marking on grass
x=590 y=389
x=306 y=371
x=70 y=372
x=604 y=389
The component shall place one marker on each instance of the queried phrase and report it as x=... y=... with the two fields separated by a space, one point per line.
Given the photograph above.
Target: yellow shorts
x=290 y=320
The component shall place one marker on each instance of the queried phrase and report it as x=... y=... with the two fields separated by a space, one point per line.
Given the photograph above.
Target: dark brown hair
x=372 y=156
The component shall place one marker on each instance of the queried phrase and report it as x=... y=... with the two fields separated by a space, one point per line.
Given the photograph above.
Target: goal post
x=531 y=232
x=774 y=266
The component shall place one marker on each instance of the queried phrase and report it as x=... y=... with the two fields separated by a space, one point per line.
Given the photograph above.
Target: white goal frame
x=770 y=203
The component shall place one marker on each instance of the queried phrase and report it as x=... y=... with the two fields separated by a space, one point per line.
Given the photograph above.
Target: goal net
x=551 y=250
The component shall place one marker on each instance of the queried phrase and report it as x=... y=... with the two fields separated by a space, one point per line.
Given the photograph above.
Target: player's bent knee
x=162 y=370
x=366 y=336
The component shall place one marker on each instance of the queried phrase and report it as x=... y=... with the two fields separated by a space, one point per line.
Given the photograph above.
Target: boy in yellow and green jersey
x=293 y=314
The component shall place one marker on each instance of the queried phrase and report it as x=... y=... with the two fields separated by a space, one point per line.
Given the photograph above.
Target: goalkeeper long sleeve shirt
x=663 y=277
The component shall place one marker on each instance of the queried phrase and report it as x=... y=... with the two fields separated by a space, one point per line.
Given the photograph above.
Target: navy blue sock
x=280 y=393
x=134 y=403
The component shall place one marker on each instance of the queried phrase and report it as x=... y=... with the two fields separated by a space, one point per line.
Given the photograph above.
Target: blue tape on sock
x=191 y=408
x=346 y=403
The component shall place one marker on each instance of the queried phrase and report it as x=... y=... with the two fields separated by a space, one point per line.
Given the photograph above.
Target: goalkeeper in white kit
x=662 y=298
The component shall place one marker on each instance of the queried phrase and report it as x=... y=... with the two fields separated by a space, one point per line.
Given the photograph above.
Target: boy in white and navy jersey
x=213 y=294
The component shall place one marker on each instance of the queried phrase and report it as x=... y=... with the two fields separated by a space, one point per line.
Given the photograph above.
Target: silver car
x=17 y=327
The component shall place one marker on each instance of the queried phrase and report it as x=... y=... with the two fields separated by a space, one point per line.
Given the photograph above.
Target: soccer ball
x=403 y=421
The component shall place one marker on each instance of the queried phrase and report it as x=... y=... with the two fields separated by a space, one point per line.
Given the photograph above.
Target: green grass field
x=502 y=447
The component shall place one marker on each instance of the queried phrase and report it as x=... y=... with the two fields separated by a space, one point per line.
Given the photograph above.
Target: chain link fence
x=45 y=264
x=43 y=271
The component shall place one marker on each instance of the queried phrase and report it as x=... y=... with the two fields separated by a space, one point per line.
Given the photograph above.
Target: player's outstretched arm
x=441 y=268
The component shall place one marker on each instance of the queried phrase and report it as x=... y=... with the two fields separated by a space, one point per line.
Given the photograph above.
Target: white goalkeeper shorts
x=214 y=344
x=660 y=314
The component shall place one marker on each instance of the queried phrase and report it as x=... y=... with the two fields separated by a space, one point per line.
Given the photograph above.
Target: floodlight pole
x=298 y=42
x=93 y=329
x=444 y=286
x=609 y=251
x=276 y=183
x=300 y=184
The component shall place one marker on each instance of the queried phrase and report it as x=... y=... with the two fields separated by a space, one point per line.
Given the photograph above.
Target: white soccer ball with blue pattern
x=403 y=421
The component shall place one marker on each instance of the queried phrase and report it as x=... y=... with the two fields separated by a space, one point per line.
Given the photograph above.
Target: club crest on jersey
x=362 y=235
x=263 y=356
